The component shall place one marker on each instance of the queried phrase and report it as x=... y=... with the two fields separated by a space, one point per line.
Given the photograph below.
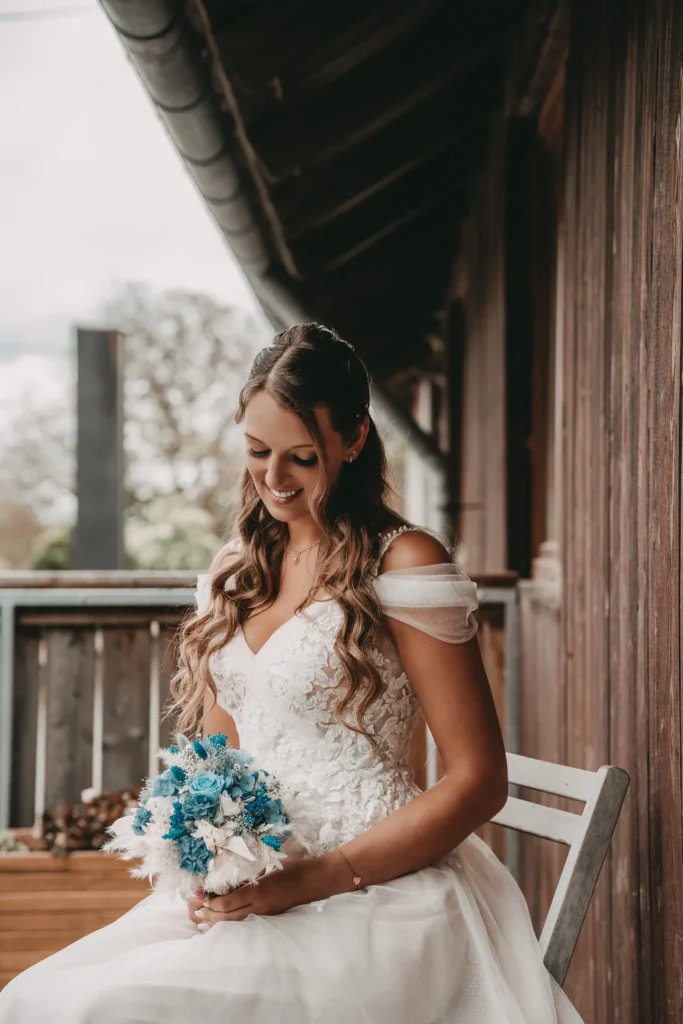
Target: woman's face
x=282 y=458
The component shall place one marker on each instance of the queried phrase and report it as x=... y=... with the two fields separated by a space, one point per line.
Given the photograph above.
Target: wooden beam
x=304 y=46
x=415 y=259
x=316 y=198
x=407 y=199
x=293 y=138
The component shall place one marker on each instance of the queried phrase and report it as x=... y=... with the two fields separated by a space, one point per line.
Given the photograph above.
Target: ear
x=355 y=446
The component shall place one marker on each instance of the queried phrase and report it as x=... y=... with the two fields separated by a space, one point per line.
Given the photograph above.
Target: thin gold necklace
x=298 y=554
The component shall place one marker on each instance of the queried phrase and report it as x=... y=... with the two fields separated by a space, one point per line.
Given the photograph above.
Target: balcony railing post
x=154 y=698
x=6 y=706
x=41 y=735
x=98 y=713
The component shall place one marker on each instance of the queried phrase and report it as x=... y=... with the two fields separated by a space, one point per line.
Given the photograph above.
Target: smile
x=282 y=497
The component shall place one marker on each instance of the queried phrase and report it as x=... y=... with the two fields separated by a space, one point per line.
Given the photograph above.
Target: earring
x=351 y=457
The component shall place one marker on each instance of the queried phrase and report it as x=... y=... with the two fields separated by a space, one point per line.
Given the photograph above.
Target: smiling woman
x=319 y=632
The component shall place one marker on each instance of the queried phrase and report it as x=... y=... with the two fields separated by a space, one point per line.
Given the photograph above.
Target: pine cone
x=83 y=826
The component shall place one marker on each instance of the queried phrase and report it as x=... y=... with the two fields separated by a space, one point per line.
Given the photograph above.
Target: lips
x=284 y=497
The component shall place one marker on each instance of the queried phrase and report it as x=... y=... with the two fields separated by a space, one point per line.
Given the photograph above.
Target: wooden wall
x=617 y=697
x=480 y=290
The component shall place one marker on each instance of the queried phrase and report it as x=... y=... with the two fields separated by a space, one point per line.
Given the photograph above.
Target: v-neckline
x=278 y=629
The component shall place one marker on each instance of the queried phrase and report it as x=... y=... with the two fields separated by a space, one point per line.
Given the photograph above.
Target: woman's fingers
x=194 y=905
x=211 y=917
x=233 y=901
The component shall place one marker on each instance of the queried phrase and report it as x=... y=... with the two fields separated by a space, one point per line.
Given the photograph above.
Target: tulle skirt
x=451 y=944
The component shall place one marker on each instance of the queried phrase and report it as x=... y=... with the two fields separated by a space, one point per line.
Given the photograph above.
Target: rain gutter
x=165 y=51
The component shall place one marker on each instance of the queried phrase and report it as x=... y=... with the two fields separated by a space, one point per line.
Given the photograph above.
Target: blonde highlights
x=305 y=367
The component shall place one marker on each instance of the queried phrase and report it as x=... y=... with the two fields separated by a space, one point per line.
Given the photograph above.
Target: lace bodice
x=281 y=699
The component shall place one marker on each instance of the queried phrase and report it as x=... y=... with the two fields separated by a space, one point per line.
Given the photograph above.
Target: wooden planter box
x=47 y=902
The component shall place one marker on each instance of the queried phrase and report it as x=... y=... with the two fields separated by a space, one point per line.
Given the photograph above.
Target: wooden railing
x=85 y=664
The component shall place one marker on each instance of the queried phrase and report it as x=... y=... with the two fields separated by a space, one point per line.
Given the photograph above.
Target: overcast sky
x=92 y=192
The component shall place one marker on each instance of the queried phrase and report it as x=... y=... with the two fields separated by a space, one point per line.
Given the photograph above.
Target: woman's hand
x=195 y=904
x=303 y=881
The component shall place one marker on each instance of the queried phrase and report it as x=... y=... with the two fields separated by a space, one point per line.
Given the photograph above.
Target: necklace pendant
x=296 y=559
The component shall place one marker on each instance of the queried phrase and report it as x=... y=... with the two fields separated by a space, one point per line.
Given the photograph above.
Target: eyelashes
x=297 y=458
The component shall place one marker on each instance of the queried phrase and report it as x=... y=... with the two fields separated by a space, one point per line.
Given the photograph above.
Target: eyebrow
x=259 y=441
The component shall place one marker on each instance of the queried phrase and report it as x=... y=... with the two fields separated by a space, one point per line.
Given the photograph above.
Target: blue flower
x=179 y=774
x=200 y=749
x=194 y=855
x=228 y=779
x=199 y=805
x=243 y=785
x=219 y=739
x=142 y=818
x=207 y=784
x=174 y=750
x=240 y=757
x=165 y=785
x=177 y=823
x=274 y=812
x=272 y=841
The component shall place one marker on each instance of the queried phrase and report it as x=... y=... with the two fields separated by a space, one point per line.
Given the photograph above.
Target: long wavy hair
x=306 y=366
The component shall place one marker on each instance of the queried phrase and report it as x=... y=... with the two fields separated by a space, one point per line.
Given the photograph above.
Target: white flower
x=229 y=807
x=215 y=838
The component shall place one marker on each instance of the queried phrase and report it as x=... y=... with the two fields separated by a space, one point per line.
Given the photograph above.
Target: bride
x=317 y=636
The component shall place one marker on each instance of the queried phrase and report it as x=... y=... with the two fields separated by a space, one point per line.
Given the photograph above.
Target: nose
x=276 y=474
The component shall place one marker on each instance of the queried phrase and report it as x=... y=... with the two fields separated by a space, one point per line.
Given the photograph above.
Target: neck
x=303 y=532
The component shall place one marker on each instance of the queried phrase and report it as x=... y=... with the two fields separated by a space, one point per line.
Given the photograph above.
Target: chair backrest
x=587 y=835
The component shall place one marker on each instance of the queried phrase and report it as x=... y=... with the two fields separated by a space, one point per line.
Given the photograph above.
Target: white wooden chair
x=587 y=835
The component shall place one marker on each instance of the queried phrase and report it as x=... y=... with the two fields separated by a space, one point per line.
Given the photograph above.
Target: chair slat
x=547 y=777
x=537 y=820
x=581 y=869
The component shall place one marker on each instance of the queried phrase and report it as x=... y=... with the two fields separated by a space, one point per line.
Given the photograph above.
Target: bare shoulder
x=224 y=558
x=412 y=549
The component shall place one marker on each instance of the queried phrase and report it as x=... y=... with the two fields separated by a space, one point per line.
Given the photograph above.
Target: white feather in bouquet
x=211 y=821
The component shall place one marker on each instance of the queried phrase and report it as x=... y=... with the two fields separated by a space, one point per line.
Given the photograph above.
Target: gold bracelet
x=357 y=881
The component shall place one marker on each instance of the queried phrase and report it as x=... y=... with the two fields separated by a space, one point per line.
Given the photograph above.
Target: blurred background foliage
x=186 y=357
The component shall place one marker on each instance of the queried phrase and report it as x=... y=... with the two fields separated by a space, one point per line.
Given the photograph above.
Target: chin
x=286 y=513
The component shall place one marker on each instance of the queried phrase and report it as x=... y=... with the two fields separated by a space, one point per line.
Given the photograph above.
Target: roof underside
x=350 y=131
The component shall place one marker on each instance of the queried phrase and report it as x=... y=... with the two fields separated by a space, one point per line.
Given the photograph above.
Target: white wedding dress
x=450 y=944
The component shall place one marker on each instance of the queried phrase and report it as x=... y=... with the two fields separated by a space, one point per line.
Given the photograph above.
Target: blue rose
x=165 y=785
x=199 y=805
x=206 y=784
x=142 y=818
x=194 y=855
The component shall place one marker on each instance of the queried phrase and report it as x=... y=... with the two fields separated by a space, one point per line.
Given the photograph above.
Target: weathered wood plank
x=126 y=707
x=70 y=675
x=24 y=728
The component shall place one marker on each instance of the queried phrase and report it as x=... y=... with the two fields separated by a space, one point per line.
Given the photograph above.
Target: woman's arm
x=451 y=685
x=450 y=682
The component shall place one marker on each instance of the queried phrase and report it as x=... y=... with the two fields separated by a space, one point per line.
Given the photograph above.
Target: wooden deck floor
x=47 y=902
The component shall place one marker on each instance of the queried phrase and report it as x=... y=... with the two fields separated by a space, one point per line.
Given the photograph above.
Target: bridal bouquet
x=211 y=820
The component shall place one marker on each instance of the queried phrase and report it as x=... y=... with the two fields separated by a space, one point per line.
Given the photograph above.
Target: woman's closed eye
x=263 y=453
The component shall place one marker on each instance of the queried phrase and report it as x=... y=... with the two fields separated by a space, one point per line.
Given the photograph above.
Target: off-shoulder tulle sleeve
x=438 y=599
x=202 y=594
